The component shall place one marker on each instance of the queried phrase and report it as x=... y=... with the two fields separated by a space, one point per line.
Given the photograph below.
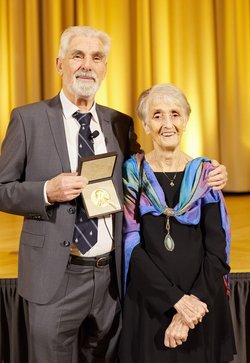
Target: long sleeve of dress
x=214 y=265
x=153 y=285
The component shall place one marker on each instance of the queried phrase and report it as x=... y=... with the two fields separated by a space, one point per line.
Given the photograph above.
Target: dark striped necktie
x=85 y=231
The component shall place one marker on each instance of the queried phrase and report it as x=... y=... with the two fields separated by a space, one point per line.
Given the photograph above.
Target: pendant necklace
x=169 y=212
x=171 y=180
x=168 y=240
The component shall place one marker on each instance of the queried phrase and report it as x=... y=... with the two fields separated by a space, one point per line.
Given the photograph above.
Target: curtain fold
x=240 y=309
x=203 y=47
x=233 y=82
x=14 y=324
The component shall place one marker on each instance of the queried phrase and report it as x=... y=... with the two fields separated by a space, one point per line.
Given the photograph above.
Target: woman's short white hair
x=88 y=32
x=165 y=91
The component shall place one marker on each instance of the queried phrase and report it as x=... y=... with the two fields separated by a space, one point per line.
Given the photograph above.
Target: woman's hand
x=191 y=309
x=217 y=178
x=176 y=333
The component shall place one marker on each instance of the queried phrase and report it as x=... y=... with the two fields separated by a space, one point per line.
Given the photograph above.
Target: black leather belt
x=98 y=261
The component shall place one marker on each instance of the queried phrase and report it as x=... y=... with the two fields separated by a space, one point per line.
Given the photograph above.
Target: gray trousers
x=85 y=305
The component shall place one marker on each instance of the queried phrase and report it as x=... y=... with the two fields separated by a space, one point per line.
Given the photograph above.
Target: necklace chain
x=171 y=180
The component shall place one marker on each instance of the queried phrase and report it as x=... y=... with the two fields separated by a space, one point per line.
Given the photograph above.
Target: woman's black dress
x=156 y=277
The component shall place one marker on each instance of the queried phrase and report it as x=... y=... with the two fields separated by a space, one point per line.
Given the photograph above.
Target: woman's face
x=166 y=121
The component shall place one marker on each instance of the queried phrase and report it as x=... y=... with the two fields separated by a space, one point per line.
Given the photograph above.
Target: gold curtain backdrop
x=201 y=46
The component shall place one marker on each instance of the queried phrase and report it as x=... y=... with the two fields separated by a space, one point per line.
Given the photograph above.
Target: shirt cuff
x=47 y=203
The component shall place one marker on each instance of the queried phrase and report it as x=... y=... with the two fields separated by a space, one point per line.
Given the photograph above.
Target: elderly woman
x=176 y=244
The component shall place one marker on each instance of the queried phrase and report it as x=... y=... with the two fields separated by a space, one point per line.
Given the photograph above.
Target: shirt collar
x=69 y=108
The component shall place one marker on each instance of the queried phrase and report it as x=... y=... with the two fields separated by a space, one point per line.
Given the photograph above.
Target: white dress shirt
x=105 y=230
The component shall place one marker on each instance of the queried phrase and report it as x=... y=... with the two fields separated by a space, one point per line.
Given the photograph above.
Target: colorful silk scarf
x=143 y=194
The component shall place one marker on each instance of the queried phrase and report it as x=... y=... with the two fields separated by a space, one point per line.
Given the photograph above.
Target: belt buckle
x=99 y=261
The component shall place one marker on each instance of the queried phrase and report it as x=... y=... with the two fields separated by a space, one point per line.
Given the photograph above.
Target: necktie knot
x=82 y=118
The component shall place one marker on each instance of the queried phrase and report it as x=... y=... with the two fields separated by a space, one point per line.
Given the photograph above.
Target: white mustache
x=86 y=74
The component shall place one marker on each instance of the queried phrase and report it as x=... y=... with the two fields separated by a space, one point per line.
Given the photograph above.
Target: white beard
x=85 y=89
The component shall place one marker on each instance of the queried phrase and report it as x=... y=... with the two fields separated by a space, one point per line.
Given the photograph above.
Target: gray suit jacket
x=33 y=151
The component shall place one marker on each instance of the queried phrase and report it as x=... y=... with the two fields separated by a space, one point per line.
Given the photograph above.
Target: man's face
x=83 y=68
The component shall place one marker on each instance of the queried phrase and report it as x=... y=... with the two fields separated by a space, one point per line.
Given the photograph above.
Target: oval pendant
x=172 y=184
x=169 y=243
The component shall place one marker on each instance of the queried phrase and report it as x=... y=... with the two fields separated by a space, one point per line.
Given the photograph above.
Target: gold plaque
x=99 y=195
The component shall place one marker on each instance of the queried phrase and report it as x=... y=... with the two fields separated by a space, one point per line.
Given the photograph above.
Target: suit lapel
x=106 y=126
x=56 y=123
x=105 y=118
